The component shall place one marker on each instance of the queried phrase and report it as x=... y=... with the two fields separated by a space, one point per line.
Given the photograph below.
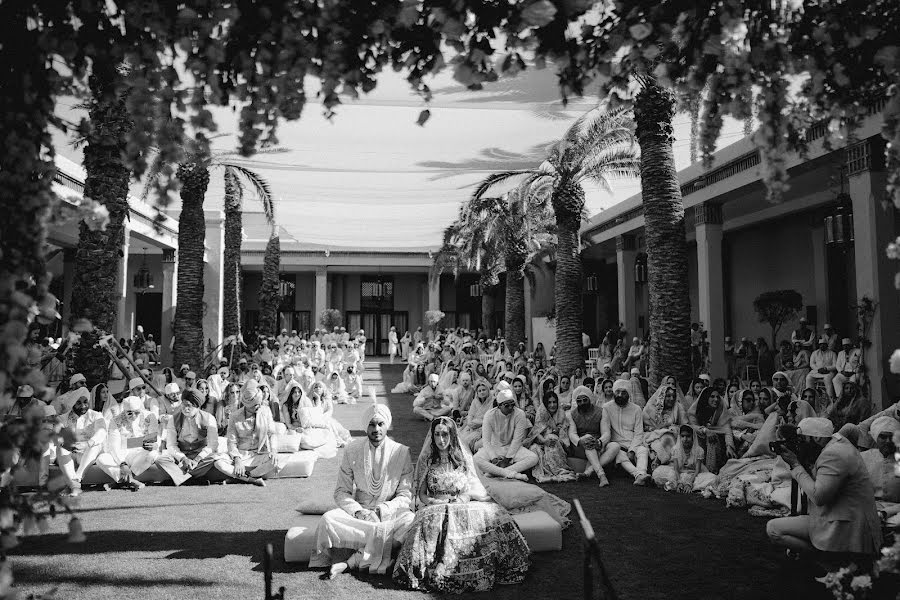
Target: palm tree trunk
x=188 y=348
x=515 y=308
x=667 y=262
x=488 y=301
x=95 y=289
x=269 y=297
x=568 y=202
x=232 y=281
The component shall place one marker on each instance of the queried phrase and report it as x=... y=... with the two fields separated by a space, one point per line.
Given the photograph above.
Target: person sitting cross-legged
x=251 y=432
x=88 y=428
x=504 y=431
x=626 y=428
x=132 y=444
x=374 y=499
x=587 y=430
x=192 y=439
x=881 y=463
x=430 y=403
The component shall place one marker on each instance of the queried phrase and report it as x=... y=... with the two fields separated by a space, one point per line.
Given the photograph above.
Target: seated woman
x=800 y=367
x=208 y=403
x=604 y=392
x=693 y=393
x=316 y=412
x=470 y=434
x=230 y=402
x=99 y=396
x=523 y=398
x=549 y=433
x=336 y=388
x=687 y=471
x=746 y=420
x=663 y=414
x=564 y=392
x=712 y=421
x=459 y=541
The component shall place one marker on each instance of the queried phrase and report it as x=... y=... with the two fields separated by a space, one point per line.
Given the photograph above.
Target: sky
x=372 y=178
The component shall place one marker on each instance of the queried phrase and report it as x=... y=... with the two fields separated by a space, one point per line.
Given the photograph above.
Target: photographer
x=842 y=515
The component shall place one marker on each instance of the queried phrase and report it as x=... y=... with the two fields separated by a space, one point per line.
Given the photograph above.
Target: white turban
x=622 y=384
x=816 y=427
x=373 y=410
x=132 y=403
x=884 y=424
x=171 y=388
x=505 y=395
x=135 y=382
x=434 y=377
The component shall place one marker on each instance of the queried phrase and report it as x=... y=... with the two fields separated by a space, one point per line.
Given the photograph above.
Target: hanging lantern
x=143 y=280
x=286 y=288
x=593 y=283
x=640 y=269
x=475 y=290
x=839 y=224
x=378 y=289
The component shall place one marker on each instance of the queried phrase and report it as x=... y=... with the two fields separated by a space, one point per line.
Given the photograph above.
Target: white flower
x=895 y=362
x=540 y=13
x=861 y=582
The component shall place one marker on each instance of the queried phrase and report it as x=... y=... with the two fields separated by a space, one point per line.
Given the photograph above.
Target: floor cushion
x=288 y=442
x=296 y=464
x=300 y=540
x=541 y=531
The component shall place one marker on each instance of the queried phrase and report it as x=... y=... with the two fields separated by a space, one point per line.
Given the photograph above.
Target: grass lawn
x=198 y=542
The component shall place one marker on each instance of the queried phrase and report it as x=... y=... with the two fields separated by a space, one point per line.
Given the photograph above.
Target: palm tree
x=598 y=146
x=667 y=263
x=269 y=291
x=194 y=175
x=95 y=288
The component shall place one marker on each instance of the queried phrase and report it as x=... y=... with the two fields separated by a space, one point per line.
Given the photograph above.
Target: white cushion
x=280 y=428
x=312 y=438
x=287 y=442
x=300 y=540
x=541 y=531
x=296 y=464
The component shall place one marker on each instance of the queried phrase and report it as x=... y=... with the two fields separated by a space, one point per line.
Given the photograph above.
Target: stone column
x=874 y=227
x=626 y=253
x=321 y=298
x=123 y=319
x=169 y=298
x=68 y=276
x=529 y=343
x=708 y=220
x=434 y=294
x=820 y=270
x=213 y=278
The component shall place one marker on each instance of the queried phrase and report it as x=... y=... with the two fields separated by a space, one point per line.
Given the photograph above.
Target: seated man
x=353 y=382
x=132 y=444
x=626 y=428
x=88 y=430
x=846 y=365
x=865 y=437
x=251 y=437
x=374 y=499
x=842 y=515
x=822 y=366
x=586 y=432
x=192 y=441
x=504 y=431
x=24 y=405
x=881 y=463
x=461 y=397
x=168 y=405
x=429 y=404
x=64 y=402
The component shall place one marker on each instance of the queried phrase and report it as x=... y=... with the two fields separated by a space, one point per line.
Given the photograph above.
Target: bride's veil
x=476 y=488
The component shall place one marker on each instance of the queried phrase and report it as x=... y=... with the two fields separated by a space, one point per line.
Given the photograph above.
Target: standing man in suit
x=842 y=515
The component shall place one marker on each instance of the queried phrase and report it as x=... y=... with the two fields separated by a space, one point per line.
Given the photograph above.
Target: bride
x=460 y=541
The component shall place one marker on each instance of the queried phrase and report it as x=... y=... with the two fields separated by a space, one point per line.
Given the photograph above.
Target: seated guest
x=353 y=383
x=603 y=392
x=849 y=408
x=190 y=379
x=251 y=432
x=132 y=444
x=842 y=515
x=374 y=501
x=316 y=411
x=24 y=406
x=803 y=335
x=218 y=382
x=336 y=388
x=99 y=395
x=881 y=464
x=799 y=369
x=481 y=404
x=523 y=398
x=663 y=414
x=168 y=405
x=88 y=428
x=686 y=471
x=846 y=365
x=430 y=404
x=822 y=367
x=63 y=403
x=549 y=437
x=712 y=421
x=209 y=404
x=746 y=420
x=459 y=541
x=634 y=354
x=192 y=440
x=781 y=389
x=865 y=438
x=504 y=432
x=461 y=398
x=564 y=392
x=626 y=428
x=588 y=435
x=230 y=402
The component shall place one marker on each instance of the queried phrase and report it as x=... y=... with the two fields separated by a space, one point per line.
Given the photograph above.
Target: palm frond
x=260 y=186
x=493 y=179
x=153 y=172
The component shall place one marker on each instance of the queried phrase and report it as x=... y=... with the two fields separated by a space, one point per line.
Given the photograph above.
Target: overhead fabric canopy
x=371 y=178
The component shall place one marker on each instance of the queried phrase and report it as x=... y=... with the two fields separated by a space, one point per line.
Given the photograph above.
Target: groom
x=374 y=500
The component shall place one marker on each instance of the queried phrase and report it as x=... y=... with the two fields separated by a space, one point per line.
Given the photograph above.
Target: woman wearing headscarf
x=470 y=433
x=662 y=415
x=336 y=388
x=251 y=435
x=686 y=471
x=697 y=386
x=99 y=397
x=316 y=412
x=746 y=420
x=549 y=433
x=229 y=403
x=564 y=392
x=523 y=398
x=799 y=367
x=459 y=541
x=712 y=421
x=604 y=392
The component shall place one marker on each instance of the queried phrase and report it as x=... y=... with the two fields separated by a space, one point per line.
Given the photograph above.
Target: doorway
x=377 y=325
x=148 y=313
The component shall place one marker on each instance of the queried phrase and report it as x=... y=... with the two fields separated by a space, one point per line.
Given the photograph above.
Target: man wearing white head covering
x=430 y=404
x=881 y=464
x=63 y=402
x=251 y=435
x=626 y=427
x=132 y=444
x=88 y=427
x=587 y=428
x=218 y=381
x=374 y=499
x=822 y=367
x=846 y=365
x=504 y=431
x=842 y=515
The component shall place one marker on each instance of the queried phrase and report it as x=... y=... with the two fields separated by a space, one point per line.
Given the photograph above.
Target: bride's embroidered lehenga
x=462 y=544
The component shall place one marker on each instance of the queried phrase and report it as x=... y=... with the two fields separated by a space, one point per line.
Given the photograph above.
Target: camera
x=787 y=440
